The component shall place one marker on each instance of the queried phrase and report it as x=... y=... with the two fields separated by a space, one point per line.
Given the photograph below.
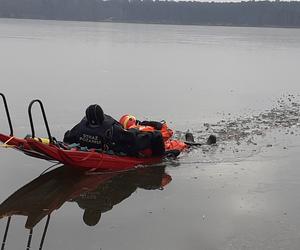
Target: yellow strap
x=42 y=140
x=5 y=145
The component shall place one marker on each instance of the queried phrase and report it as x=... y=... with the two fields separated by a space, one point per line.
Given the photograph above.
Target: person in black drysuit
x=100 y=131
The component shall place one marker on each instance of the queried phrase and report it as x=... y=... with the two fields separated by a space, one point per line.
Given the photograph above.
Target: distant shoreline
x=242 y=14
x=153 y=23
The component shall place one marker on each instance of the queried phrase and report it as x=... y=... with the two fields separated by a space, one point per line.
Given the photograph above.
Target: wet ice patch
x=247 y=135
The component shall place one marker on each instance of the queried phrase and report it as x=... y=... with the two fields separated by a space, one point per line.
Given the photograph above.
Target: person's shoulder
x=83 y=121
x=107 y=116
x=109 y=120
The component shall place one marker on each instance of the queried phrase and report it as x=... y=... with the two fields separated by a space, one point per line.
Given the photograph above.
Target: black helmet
x=94 y=114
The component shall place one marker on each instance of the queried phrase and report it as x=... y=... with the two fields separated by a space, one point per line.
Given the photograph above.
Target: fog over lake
x=241 y=84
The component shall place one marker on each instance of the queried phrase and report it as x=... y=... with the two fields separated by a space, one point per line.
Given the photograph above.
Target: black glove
x=154 y=124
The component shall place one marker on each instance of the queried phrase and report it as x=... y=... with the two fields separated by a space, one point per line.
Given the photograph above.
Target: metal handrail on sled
x=44 y=117
x=7 y=114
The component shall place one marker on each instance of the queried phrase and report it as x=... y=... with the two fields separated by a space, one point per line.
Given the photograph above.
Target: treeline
x=250 y=13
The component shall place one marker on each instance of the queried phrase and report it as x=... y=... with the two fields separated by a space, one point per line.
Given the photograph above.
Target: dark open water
x=241 y=84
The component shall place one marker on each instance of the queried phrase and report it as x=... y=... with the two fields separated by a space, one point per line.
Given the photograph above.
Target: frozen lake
x=241 y=84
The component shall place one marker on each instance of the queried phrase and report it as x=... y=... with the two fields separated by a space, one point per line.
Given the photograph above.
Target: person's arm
x=156 y=125
x=71 y=136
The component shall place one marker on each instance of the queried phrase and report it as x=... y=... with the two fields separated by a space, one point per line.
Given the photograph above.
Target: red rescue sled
x=73 y=157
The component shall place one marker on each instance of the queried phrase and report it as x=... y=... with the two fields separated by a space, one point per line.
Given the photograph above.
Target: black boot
x=212 y=139
x=189 y=137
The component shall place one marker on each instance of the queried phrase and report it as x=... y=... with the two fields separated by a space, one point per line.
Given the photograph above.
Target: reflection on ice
x=95 y=193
